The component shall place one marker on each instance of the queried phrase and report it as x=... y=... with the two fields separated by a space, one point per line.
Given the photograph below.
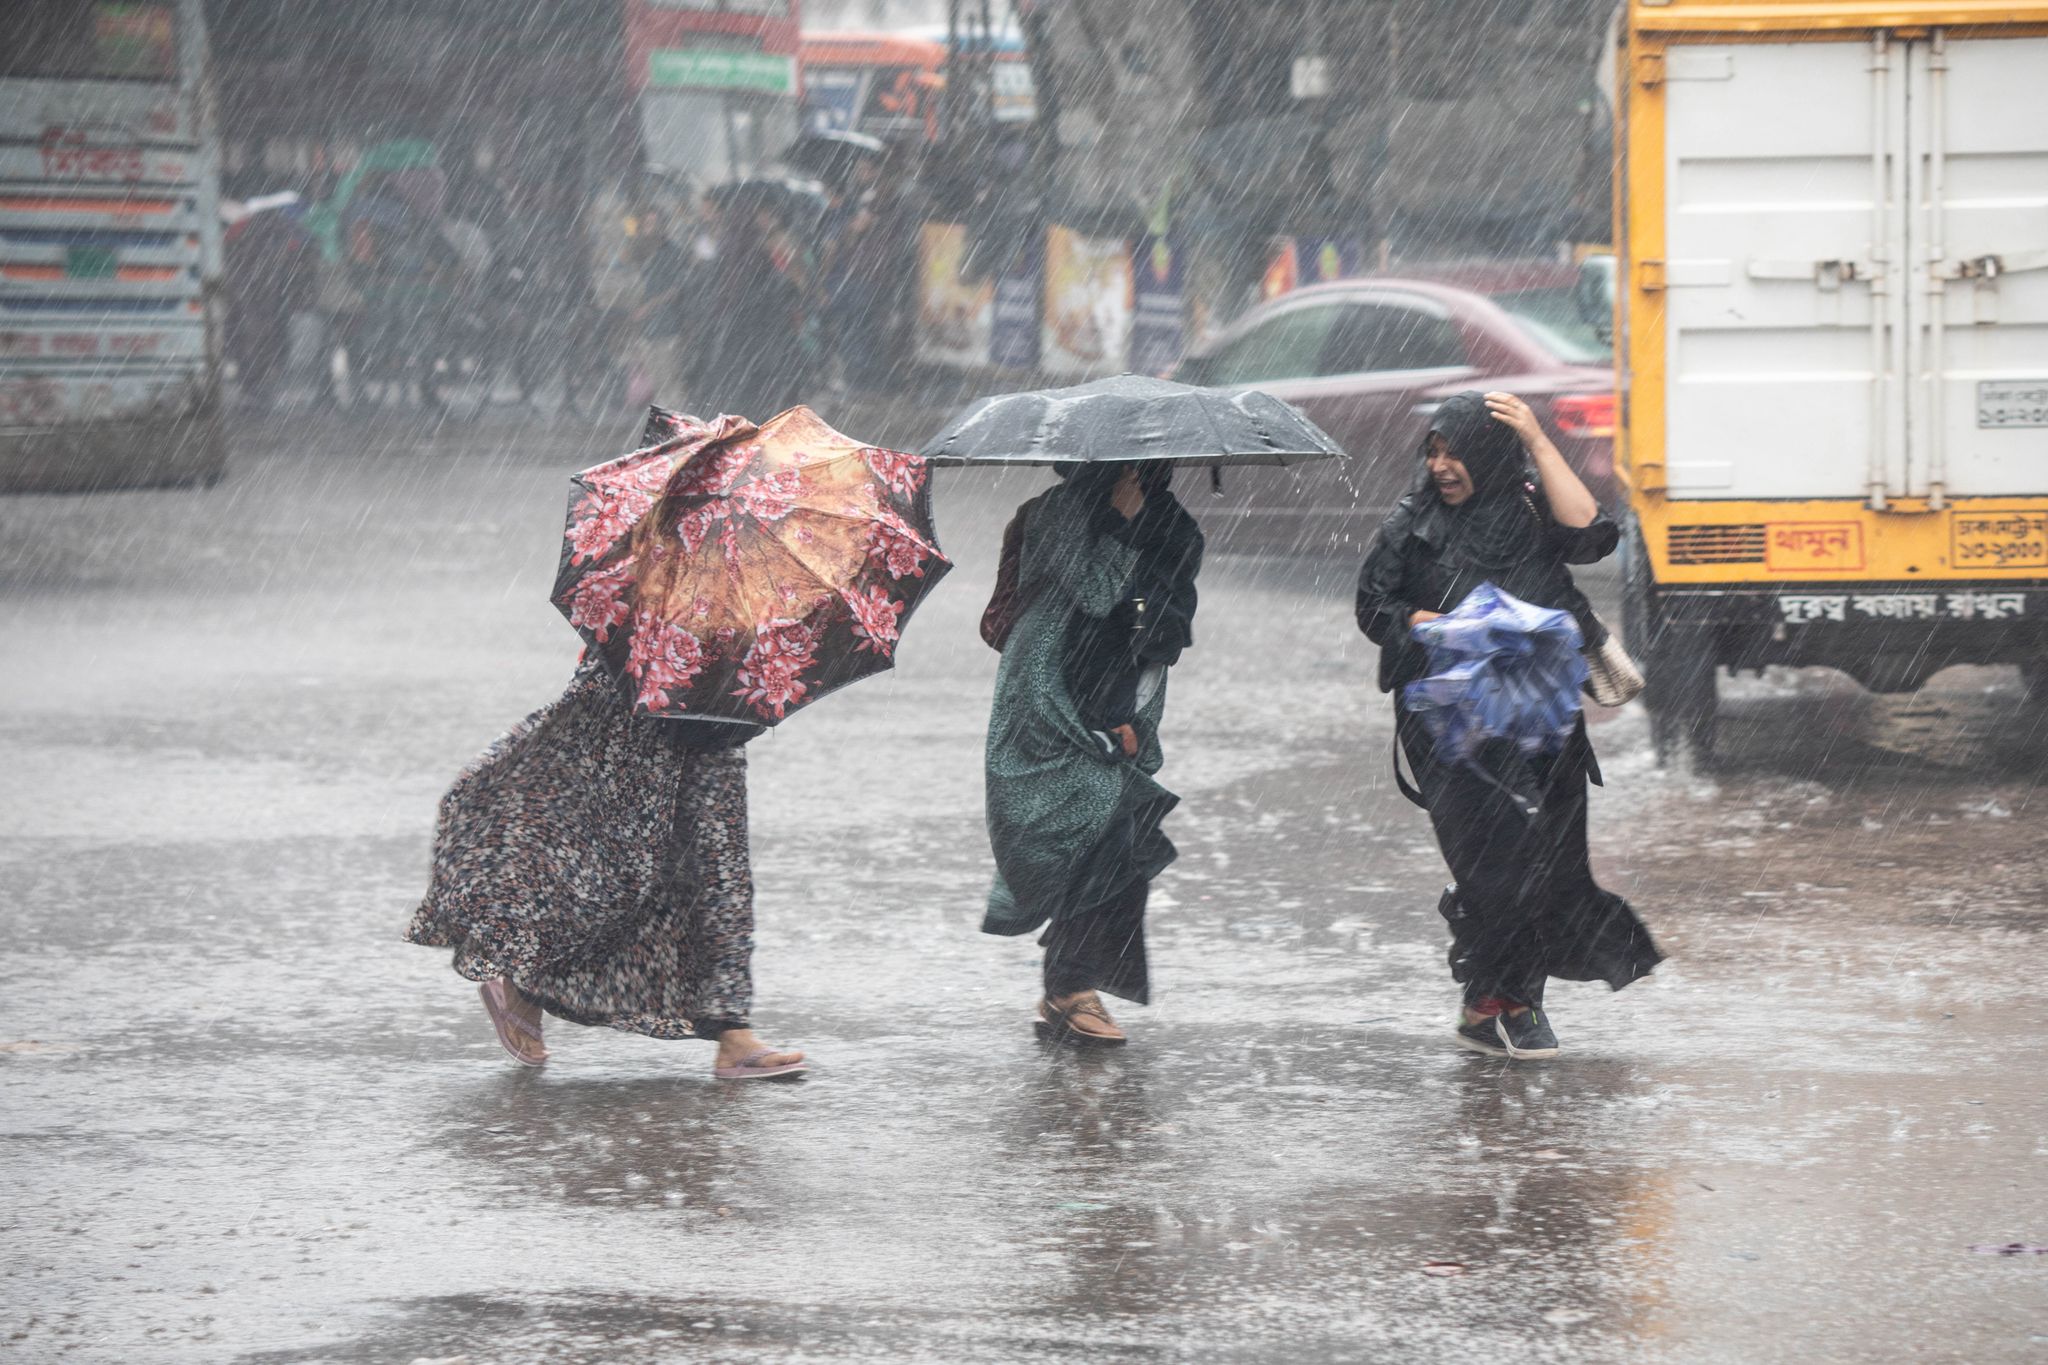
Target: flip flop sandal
x=1057 y=1024
x=747 y=1070
x=507 y=1023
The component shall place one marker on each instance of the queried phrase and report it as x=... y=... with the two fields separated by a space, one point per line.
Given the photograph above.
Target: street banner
x=1020 y=289
x=1158 y=321
x=1087 y=327
x=954 y=317
x=768 y=73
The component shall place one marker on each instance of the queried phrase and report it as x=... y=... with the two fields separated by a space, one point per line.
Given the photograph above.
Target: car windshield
x=1554 y=319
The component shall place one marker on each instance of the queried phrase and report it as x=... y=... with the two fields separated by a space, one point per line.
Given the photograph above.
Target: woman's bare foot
x=1081 y=1017
x=738 y=1046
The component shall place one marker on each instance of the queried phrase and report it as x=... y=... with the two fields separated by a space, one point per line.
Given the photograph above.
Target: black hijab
x=1169 y=547
x=1498 y=526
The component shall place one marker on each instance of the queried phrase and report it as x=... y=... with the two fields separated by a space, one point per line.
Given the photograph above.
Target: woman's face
x=1447 y=472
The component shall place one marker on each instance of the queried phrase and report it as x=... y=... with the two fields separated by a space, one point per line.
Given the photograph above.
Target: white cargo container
x=1833 y=309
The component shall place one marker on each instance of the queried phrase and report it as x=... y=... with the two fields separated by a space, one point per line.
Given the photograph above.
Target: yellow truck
x=1832 y=341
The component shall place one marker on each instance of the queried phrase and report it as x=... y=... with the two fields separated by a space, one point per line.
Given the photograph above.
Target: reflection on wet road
x=243 y=1121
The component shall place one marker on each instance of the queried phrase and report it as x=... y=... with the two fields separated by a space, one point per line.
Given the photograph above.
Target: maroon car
x=1367 y=360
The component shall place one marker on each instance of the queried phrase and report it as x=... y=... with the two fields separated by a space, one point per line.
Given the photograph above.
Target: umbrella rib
x=931 y=544
x=1215 y=436
x=821 y=576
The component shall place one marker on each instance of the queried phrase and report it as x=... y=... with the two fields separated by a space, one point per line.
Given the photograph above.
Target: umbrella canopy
x=831 y=154
x=798 y=205
x=1132 y=417
x=730 y=572
x=1499 y=669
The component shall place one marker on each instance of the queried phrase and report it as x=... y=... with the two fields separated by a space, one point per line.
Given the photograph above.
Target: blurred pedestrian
x=1524 y=906
x=270 y=272
x=1105 y=603
x=656 y=318
x=593 y=865
x=858 y=272
x=750 y=323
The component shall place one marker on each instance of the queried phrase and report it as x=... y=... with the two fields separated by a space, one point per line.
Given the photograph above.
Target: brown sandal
x=1082 y=1021
x=497 y=996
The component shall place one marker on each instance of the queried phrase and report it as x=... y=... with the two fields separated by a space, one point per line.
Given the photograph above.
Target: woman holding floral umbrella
x=594 y=863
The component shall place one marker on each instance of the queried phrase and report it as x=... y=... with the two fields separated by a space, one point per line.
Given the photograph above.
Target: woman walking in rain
x=1524 y=906
x=1105 y=590
x=593 y=864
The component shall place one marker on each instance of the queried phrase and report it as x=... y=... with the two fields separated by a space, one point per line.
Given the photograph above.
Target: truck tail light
x=1584 y=414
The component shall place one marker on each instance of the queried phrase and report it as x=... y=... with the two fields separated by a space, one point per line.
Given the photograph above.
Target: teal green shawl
x=1068 y=825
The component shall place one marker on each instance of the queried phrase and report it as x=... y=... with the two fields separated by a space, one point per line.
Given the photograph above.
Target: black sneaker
x=1527 y=1035
x=1482 y=1036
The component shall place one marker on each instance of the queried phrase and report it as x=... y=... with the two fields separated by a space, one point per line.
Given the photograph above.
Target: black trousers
x=1101 y=949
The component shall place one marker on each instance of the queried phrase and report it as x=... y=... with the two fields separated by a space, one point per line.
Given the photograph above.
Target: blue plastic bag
x=1499 y=669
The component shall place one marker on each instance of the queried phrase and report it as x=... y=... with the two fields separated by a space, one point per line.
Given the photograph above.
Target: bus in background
x=716 y=84
x=888 y=85
x=109 y=248
x=883 y=84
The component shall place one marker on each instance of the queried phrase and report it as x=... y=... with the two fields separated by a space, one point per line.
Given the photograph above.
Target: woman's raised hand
x=1565 y=491
x=1128 y=497
x=1512 y=412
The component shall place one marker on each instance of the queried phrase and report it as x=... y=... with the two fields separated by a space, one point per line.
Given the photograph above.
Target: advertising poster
x=1297 y=262
x=1020 y=288
x=1283 y=270
x=954 y=318
x=1158 y=322
x=1087 y=303
x=1321 y=259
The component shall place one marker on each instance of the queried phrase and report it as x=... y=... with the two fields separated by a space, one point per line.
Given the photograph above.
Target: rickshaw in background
x=407 y=291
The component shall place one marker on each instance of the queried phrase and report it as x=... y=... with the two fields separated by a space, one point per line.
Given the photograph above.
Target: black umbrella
x=830 y=154
x=1131 y=417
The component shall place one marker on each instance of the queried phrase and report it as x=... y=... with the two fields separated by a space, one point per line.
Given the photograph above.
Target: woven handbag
x=1612 y=678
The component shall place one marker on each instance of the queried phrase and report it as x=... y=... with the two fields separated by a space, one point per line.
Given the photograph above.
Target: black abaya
x=1526 y=906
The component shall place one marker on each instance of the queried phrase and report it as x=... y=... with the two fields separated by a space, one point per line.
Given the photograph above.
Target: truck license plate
x=2000 y=540
x=2012 y=402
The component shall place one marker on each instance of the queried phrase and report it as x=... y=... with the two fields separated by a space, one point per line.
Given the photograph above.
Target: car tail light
x=1584 y=414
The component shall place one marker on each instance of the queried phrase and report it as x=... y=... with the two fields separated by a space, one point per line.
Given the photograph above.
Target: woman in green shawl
x=1106 y=573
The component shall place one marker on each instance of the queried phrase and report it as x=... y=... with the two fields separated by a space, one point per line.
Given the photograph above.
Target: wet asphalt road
x=243 y=1121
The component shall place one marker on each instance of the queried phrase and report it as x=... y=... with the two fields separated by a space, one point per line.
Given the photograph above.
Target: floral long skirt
x=601 y=863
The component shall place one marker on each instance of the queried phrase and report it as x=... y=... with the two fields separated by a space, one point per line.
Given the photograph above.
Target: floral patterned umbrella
x=735 y=573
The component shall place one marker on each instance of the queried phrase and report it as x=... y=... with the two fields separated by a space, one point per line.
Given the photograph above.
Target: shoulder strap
x=1401 y=780
x=1007 y=602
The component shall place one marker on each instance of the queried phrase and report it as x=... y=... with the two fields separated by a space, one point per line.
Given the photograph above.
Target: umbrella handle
x=1216 y=480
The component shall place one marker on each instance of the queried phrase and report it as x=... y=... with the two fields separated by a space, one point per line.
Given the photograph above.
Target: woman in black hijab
x=1524 y=907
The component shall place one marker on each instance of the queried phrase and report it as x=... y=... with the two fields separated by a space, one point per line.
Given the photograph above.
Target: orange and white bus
x=888 y=85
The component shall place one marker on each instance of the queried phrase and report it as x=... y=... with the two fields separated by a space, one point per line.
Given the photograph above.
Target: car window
x=1376 y=336
x=1289 y=346
x=1559 y=321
